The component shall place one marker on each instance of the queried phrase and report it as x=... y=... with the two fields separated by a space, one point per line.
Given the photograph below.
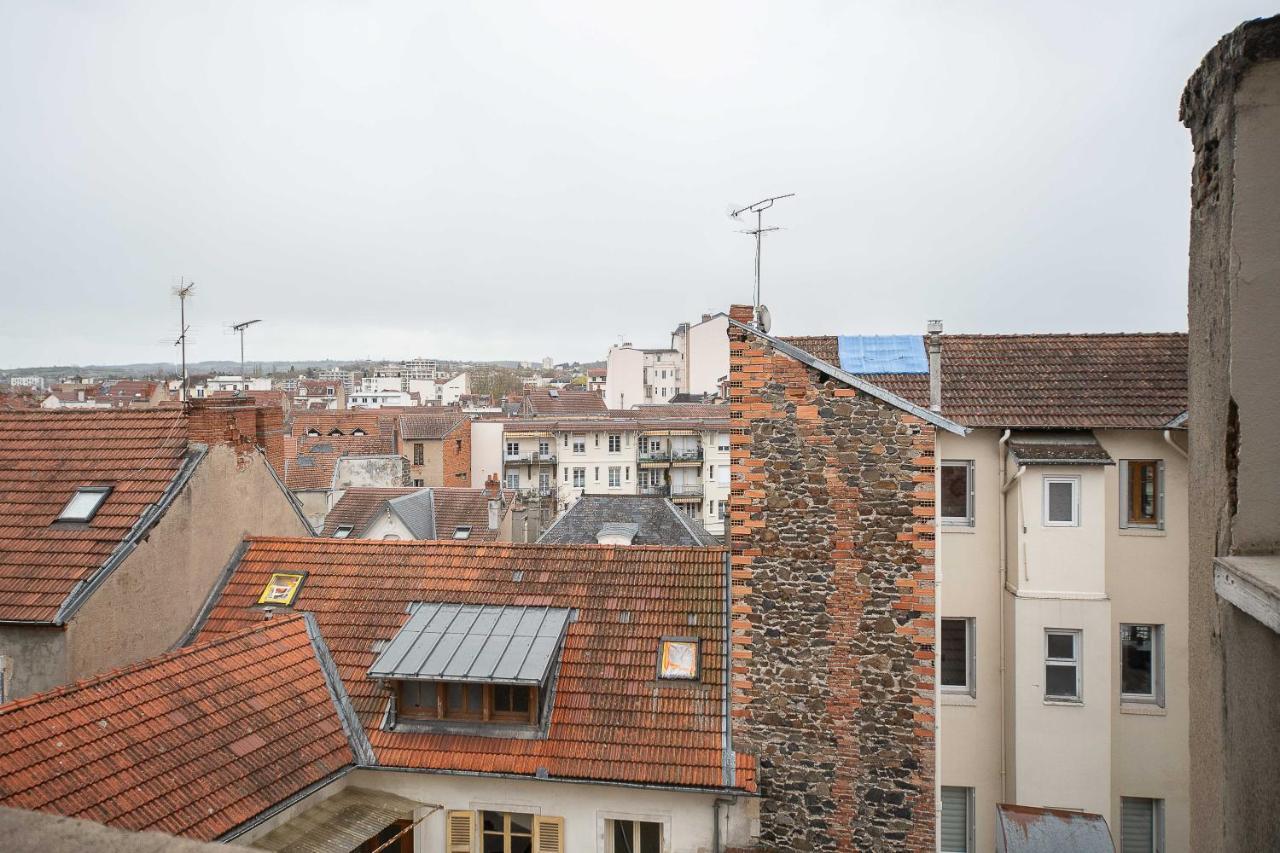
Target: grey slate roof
x=418 y=512
x=658 y=520
x=1058 y=448
x=475 y=642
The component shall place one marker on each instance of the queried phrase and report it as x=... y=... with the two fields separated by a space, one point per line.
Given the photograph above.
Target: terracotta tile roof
x=1061 y=381
x=432 y=427
x=311 y=465
x=19 y=402
x=324 y=420
x=612 y=720
x=564 y=403
x=707 y=411
x=44 y=457
x=456 y=507
x=358 y=506
x=192 y=743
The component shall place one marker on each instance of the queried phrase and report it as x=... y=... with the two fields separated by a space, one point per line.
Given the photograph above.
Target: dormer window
x=84 y=504
x=358 y=431
x=462 y=531
x=313 y=432
x=335 y=431
x=460 y=666
x=344 y=531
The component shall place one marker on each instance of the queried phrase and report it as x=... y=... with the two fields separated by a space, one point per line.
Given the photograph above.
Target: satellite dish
x=764 y=320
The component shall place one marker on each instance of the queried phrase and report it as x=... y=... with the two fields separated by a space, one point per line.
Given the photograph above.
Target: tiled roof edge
x=287 y=802
x=150 y=517
x=289 y=496
x=687 y=523
x=215 y=593
x=360 y=746
x=586 y=780
x=551 y=527
x=849 y=379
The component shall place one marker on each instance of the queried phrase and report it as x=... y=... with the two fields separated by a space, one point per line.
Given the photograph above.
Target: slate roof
x=44 y=457
x=416 y=512
x=1050 y=448
x=564 y=403
x=612 y=720
x=359 y=506
x=1048 y=381
x=192 y=743
x=660 y=522
x=432 y=427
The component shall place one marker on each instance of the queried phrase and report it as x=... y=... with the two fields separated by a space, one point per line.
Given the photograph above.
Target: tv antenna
x=182 y=291
x=758 y=208
x=240 y=327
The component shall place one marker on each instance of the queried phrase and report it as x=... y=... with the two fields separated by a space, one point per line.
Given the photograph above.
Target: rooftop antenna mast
x=182 y=291
x=240 y=327
x=758 y=208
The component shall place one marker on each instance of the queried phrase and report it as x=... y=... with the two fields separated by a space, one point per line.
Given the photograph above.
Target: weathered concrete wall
x=370 y=472
x=832 y=547
x=150 y=601
x=1232 y=107
x=34 y=658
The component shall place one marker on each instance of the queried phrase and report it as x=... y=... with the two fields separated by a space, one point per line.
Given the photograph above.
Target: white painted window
x=579 y=444
x=1062 y=501
x=544 y=447
x=957 y=649
x=615 y=443
x=513 y=480
x=513 y=448
x=544 y=481
x=579 y=478
x=84 y=504
x=1142 y=663
x=1062 y=665
x=956 y=823
x=1141 y=825
x=720 y=509
x=633 y=836
x=955 y=492
x=343 y=531
x=615 y=476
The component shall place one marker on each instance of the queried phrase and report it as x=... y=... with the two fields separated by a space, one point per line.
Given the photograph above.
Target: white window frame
x=615 y=442
x=1074 y=482
x=513 y=480
x=579 y=478
x=1125 y=523
x=98 y=494
x=604 y=833
x=344 y=531
x=970 y=686
x=513 y=448
x=1077 y=661
x=1156 y=696
x=580 y=443
x=615 y=476
x=968 y=819
x=967 y=520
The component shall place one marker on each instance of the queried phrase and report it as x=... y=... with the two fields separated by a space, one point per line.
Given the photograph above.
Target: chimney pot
x=935 y=365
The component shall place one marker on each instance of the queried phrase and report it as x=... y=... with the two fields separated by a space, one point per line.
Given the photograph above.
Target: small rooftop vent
x=553 y=393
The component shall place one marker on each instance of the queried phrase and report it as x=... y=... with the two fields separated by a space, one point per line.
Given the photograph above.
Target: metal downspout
x=1000 y=582
x=1168 y=438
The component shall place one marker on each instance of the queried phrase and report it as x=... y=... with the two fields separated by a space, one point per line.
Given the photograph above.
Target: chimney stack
x=493 y=490
x=935 y=365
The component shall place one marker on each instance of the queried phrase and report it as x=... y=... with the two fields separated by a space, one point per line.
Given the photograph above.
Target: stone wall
x=831 y=514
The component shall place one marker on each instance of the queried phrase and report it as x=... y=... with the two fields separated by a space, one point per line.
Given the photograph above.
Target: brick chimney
x=240 y=424
x=742 y=313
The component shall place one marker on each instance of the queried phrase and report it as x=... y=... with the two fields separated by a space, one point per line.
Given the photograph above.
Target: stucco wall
x=150 y=601
x=687 y=817
x=35 y=658
x=707 y=358
x=624 y=384
x=486 y=450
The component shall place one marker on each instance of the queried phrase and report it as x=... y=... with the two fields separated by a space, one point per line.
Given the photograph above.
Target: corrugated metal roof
x=883 y=354
x=1027 y=829
x=341 y=823
x=474 y=642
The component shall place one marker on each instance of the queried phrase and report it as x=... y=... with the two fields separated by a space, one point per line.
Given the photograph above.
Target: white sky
x=513 y=180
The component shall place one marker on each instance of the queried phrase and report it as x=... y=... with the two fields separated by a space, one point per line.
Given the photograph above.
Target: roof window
x=343 y=531
x=335 y=431
x=679 y=659
x=313 y=432
x=462 y=531
x=84 y=504
x=282 y=590
x=358 y=431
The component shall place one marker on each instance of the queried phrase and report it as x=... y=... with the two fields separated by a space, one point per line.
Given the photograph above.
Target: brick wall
x=240 y=424
x=831 y=531
x=456 y=452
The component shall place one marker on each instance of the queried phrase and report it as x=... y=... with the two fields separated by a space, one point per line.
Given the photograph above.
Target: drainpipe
x=935 y=365
x=1168 y=438
x=716 y=842
x=1001 y=452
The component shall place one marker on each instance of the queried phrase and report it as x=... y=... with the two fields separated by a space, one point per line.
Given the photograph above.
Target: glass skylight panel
x=84 y=504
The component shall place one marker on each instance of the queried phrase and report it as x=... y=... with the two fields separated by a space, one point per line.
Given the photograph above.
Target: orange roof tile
x=358 y=506
x=565 y=402
x=309 y=461
x=192 y=743
x=612 y=719
x=430 y=427
x=44 y=457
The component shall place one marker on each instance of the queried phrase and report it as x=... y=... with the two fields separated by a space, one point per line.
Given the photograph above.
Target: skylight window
x=84 y=504
x=678 y=659
x=462 y=531
x=343 y=531
x=282 y=589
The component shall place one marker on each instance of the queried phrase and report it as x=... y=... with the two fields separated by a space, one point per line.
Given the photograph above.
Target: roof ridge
x=323 y=542
x=98 y=678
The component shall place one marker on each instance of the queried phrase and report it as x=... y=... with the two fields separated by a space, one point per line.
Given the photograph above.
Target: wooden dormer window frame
x=472 y=702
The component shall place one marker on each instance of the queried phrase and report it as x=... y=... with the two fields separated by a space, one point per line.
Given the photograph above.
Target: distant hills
x=161 y=369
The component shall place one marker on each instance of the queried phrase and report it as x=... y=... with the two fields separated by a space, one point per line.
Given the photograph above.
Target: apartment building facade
x=684 y=458
x=695 y=363
x=1062 y=543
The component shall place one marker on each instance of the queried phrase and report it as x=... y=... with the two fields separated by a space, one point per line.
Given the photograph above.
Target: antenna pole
x=184 y=290
x=240 y=327
x=758 y=232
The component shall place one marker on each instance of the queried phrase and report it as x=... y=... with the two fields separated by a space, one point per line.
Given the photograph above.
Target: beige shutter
x=548 y=835
x=459 y=829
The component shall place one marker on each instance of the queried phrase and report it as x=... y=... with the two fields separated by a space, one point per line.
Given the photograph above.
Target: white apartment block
x=1062 y=569
x=35 y=382
x=695 y=363
x=232 y=383
x=347 y=378
x=441 y=391
x=686 y=459
x=376 y=399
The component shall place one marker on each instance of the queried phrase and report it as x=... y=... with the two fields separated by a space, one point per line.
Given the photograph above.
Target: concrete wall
x=486 y=450
x=687 y=817
x=33 y=657
x=624 y=384
x=150 y=601
x=707 y=359
x=1232 y=107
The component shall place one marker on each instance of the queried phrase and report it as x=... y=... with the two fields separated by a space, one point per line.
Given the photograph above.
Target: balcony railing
x=686 y=490
x=662 y=490
x=529 y=458
x=655 y=456
x=686 y=455
x=530 y=494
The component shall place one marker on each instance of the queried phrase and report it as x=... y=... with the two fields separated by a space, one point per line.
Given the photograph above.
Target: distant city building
x=696 y=363
x=318 y=394
x=215 y=384
x=419 y=368
x=363 y=399
x=35 y=382
x=347 y=378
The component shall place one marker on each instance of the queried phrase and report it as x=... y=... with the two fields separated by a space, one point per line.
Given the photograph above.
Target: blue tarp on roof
x=883 y=354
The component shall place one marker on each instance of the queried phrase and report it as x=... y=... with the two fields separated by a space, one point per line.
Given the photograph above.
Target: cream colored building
x=1062 y=568
x=695 y=363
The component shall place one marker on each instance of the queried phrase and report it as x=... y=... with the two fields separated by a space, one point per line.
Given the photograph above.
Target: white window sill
x=957 y=528
x=1142 y=531
x=963 y=699
x=1065 y=703
x=1143 y=709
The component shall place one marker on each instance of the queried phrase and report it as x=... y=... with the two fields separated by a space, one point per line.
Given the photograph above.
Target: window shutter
x=955 y=820
x=1125 y=496
x=1160 y=498
x=458 y=831
x=548 y=834
x=1137 y=825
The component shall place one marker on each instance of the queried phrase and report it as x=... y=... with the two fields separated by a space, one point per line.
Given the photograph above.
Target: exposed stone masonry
x=831 y=514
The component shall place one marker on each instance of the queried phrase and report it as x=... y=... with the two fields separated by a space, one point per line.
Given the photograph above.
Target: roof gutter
x=525 y=777
x=1168 y=439
x=288 y=802
x=849 y=379
x=141 y=529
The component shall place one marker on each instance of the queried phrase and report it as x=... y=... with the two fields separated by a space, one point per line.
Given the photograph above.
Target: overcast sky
x=514 y=180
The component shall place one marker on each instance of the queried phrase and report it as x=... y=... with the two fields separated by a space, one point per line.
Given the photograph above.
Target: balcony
x=686 y=456
x=687 y=492
x=529 y=458
x=661 y=491
x=536 y=494
x=655 y=456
